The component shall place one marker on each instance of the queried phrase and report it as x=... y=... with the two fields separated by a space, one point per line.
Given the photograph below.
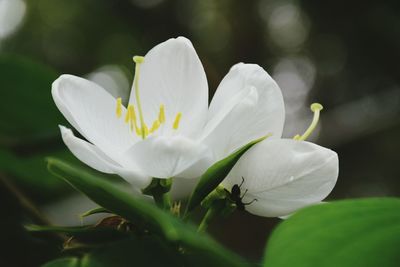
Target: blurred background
x=343 y=54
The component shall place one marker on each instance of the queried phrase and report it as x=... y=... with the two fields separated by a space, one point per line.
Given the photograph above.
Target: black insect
x=236 y=197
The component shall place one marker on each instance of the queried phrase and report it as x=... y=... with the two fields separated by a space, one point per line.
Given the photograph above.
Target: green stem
x=33 y=212
x=219 y=207
x=210 y=214
x=163 y=200
x=30 y=209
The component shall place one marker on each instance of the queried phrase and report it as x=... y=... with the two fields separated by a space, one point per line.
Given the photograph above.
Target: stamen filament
x=119 y=107
x=138 y=60
x=177 y=120
x=316 y=108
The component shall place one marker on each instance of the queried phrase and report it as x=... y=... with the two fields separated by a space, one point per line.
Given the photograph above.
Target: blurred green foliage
x=350 y=233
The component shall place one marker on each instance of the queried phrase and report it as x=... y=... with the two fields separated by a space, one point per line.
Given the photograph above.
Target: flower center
x=130 y=118
x=316 y=108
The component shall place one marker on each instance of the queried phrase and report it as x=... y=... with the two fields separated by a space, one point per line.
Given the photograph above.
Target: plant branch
x=28 y=206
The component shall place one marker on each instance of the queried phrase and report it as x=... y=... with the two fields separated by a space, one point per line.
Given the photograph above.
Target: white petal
x=173 y=75
x=95 y=158
x=165 y=157
x=92 y=111
x=284 y=175
x=86 y=152
x=182 y=187
x=248 y=104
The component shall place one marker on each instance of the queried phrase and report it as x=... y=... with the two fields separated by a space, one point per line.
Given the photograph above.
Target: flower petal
x=92 y=111
x=165 y=157
x=96 y=159
x=86 y=152
x=247 y=105
x=172 y=75
x=284 y=175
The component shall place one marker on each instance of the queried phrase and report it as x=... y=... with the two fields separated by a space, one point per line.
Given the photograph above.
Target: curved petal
x=172 y=75
x=96 y=159
x=247 y=105
x=92 y=111
x=165 y=157
x=86 y=152
x=284 y=175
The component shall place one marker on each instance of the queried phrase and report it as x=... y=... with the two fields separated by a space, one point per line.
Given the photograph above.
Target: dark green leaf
x=215 y=175
x=353 y=233
x=121 y=202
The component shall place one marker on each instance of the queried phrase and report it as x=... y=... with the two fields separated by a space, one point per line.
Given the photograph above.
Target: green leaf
x=64 y=262
x=27 y=113
x=215 y=175
x=353 y=233
x=121 y=202
x=113 y=198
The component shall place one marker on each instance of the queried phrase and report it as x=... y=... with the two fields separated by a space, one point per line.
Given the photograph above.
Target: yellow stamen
x=161 y=114
x=177 y=120
x=138 y=60
x=128 y=114
x=119 y=107
x=145 y=131
x=156 y=125
x=316 y=108
x=131 y=119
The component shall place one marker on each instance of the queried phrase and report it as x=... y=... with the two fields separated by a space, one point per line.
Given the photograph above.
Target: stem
x=219 y=207
x=163 y=200
x=30 y=208
x=210 y=214
x=27 y=205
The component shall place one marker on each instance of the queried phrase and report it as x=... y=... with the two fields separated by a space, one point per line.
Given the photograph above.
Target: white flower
x=168 y=130
x=279 y=176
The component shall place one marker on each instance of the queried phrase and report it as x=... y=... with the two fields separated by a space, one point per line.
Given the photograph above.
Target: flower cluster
x=168 y=130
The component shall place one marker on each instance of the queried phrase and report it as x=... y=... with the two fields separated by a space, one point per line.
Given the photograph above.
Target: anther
x=119 y=107
x=177 y=120
x=316 y=108
x=130 y=118
x=128 y=114
x=161 y=114
x=155 y=126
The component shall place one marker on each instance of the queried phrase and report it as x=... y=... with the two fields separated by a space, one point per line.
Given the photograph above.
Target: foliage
x=354 y=233
x=187 y=243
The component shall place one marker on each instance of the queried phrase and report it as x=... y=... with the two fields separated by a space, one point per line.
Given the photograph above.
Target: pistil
x=316 y=108
x=143 y=127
